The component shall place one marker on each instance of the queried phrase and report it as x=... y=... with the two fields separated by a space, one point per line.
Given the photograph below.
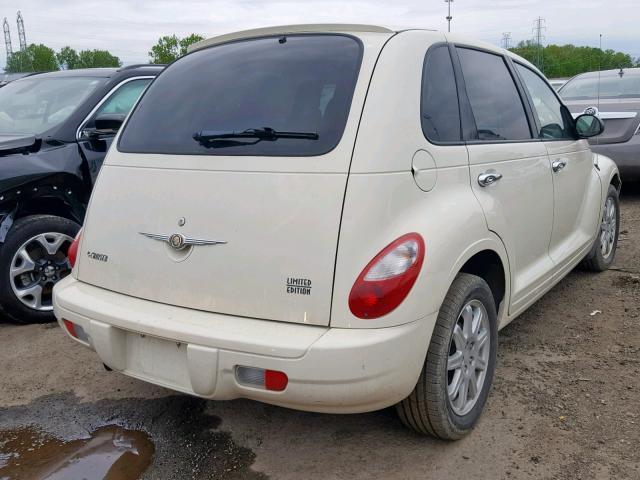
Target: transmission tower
x=506 y=40
x=21 y=36
x=539 y=26
x=7 y=38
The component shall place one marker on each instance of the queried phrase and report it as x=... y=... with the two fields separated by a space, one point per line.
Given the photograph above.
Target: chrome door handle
x=488 y=178
x=558 y=165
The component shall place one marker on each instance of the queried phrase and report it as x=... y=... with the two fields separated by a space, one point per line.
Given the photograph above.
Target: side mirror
x=588 y=126
x=109 y=121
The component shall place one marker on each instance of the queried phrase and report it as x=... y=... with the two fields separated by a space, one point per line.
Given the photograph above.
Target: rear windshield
x=586 y=88
x=249 y=98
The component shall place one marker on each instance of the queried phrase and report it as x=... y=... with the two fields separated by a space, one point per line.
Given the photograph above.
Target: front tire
x=603 y=252
x=33 y=259
x=456 y=378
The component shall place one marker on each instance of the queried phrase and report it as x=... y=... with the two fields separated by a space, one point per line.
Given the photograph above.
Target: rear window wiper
x=269 y=134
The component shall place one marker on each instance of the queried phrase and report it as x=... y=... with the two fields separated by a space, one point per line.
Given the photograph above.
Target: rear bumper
x=626 y=156
x=329 y=369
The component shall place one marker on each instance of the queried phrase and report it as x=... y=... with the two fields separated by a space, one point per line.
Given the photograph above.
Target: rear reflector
x=70 y=328
x=76 y=331
x=260 y=378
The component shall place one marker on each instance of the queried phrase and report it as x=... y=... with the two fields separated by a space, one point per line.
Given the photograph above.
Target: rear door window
x=439 y=109
x=293 y=84
x=497 y=107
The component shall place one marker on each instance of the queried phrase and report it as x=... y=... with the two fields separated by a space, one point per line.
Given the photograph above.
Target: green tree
x=97 y=58
x=171 y=47
x=569 y=60
x=35 y=58
x=68 y=58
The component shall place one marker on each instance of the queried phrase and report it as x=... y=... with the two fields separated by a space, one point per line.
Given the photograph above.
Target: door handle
x=558 y=165
x=488 y=178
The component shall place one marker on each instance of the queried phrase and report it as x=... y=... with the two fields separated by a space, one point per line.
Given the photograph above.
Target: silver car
x=614 y=96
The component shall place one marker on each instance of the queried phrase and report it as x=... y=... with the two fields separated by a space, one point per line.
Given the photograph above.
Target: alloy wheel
x=608 y=228
x=37 y=266
x=468 y=360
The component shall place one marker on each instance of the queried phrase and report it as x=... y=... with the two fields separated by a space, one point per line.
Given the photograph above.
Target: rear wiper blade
x=265 y=133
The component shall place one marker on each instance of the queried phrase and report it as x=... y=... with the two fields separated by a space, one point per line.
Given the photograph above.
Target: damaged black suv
x=55 y=129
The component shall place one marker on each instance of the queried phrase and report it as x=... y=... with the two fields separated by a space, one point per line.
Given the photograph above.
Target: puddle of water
x=111 y=453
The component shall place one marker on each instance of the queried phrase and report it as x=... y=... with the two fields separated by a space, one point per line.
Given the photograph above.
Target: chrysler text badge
x=178 y=241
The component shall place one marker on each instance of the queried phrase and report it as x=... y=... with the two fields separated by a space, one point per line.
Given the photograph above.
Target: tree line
x=40 y=58
x=568 y=60
x=554 y=60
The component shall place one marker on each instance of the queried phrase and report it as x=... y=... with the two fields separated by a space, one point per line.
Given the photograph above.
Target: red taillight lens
x=72 y=254
x=388 y=278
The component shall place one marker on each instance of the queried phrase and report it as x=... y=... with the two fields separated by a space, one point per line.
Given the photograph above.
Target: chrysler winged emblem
x=178 y=241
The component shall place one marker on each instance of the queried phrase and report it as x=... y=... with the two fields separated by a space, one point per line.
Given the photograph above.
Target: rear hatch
x=242 y=152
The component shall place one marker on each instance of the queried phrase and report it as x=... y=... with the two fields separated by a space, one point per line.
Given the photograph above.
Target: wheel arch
x=62 y=195
x=488 y=260
x=616 y=182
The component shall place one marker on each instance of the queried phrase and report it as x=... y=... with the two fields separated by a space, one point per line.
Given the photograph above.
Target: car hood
x=16 y=141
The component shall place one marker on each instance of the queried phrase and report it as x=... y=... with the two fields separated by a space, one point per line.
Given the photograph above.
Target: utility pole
x=539 y=26
x=7 y=38
x=506 y=40
x=449 y=17
x=21 y=35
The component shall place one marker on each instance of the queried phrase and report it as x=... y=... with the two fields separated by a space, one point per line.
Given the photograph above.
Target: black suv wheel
x=33 y=259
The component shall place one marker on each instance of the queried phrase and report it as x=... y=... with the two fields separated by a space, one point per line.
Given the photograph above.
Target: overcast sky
x=128 y=28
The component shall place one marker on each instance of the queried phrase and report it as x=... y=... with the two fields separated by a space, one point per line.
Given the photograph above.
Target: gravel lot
x=565 y=402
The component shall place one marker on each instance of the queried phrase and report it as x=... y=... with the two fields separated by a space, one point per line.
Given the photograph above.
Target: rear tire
x=603 y=252
x=431 y=408
x=29 y=246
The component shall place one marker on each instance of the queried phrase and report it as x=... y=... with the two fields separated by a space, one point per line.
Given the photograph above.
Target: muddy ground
x=565 y=402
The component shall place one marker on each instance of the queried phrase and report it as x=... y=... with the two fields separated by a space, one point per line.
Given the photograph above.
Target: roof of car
x=611 y=73
x=338 y=27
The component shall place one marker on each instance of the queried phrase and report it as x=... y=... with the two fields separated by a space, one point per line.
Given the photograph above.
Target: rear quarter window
x=297 y=83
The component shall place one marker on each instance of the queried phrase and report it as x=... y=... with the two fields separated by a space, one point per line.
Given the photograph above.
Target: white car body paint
x=186 y=319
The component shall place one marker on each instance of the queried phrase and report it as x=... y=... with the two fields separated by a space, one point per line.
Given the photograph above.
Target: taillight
x=72 y=254
x=388 y=278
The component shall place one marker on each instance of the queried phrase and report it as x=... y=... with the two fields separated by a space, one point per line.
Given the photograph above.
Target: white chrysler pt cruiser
x=336 y=218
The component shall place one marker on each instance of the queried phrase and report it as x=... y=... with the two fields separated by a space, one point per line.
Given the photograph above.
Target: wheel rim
x=608 y=228
x=37 y=266
x=468 y=360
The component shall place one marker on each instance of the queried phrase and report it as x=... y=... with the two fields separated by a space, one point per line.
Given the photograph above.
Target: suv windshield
x=275 y=96
x=36 y=104
x=584 y=88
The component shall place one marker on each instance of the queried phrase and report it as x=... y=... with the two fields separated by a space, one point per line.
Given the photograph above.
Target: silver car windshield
x=35 y=105
x=584 y=88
